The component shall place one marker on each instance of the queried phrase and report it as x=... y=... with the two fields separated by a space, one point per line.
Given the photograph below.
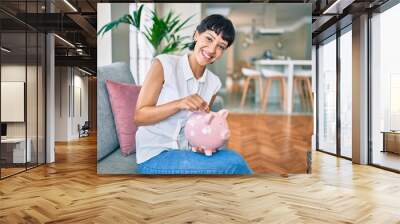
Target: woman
x=175 y=85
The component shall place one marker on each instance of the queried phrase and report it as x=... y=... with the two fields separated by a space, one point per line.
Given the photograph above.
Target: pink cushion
x=123 y=99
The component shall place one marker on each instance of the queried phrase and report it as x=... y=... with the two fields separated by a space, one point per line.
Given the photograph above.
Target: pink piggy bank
x=207 y=130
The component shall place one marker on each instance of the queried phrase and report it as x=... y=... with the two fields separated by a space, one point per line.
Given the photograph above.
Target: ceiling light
x=86 y=72
x=65 y=41
x=5 y=50
x=331 y=7
x=338 y=6
x=70 y=5
x=80 y=51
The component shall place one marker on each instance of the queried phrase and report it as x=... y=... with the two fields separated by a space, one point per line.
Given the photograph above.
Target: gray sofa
x=109 y=157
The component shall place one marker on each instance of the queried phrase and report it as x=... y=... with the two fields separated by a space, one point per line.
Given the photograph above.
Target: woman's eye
x=221 y=47
x=208 y=38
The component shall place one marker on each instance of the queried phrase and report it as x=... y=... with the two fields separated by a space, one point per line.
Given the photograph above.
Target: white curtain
x=141 y=52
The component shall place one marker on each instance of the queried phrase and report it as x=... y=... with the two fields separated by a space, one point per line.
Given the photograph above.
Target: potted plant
x=163 y=34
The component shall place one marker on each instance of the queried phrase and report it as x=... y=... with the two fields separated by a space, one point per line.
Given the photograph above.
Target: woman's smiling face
x=209 y=47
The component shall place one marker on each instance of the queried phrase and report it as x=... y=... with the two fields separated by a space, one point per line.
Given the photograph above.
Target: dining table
x=288 y=69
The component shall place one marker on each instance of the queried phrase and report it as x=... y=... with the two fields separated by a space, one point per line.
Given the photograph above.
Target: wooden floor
x=10 y=171
x=70 y=191
x=387 y=159
x=272 y=143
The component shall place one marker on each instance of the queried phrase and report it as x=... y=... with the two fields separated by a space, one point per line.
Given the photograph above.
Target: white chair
x=302 y=87
x=269 y=76
x=250 y=74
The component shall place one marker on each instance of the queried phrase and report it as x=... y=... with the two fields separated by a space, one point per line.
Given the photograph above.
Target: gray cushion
x=116 y=163
x=107 y=140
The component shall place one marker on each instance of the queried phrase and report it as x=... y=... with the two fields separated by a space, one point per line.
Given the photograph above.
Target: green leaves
x=133 y=20
x=157 y=32
x=136 y=17
x=163 y=33
x=175 y=44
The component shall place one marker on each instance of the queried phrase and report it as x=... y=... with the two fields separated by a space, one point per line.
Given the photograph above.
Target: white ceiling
x=265 y=14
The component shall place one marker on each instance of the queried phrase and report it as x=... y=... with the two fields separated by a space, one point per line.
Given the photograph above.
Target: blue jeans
x=224 y=161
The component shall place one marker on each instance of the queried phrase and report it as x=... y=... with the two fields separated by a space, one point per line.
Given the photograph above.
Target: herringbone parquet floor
x=272 y=143
x=70 y=191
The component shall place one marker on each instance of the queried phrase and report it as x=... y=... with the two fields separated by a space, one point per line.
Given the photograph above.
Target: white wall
x=185 y=10
x=33 y=126
x=68 y=82
x=17 y=73
x=61 y=103
x=104 y=43
x=120 y=36
x=114 y=45
x=80 y=83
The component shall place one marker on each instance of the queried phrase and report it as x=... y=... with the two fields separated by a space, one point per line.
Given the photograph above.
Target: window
x=327 y=96
x=22 y=77
x=346 y=93
x=385 y=89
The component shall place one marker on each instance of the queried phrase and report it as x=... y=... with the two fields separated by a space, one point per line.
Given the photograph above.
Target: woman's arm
x=146 y=110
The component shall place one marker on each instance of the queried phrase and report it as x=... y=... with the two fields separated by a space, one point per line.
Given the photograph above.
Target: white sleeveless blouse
x=179 y=82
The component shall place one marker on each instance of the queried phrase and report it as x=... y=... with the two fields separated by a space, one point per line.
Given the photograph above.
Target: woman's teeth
x=206 y=55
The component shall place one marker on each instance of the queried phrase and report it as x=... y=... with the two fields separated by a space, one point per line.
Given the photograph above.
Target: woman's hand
x=193 y=103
